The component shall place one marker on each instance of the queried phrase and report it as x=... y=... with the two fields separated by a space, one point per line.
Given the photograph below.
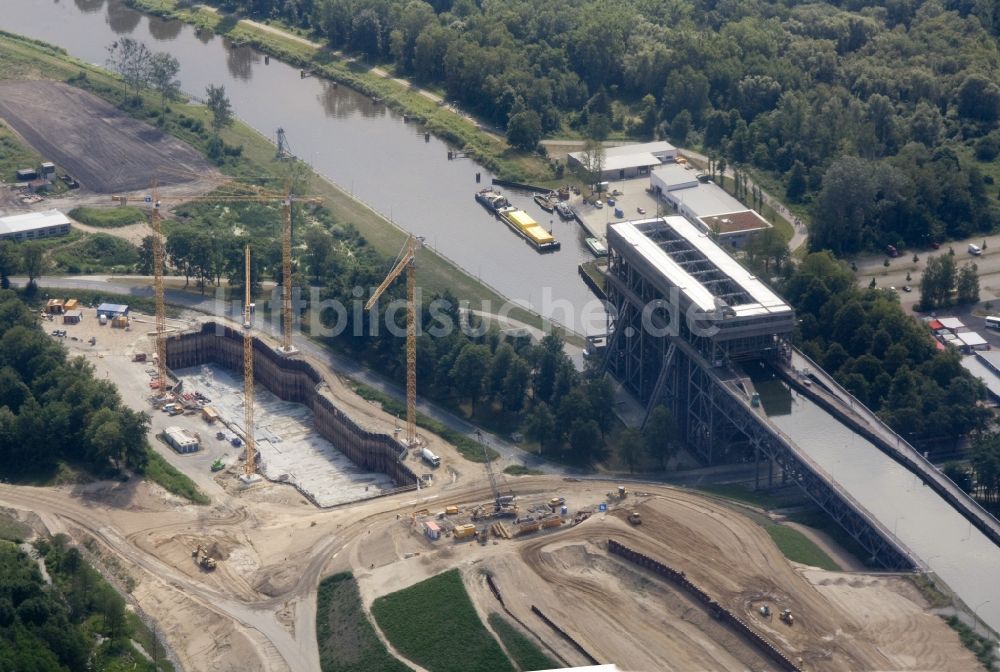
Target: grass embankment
x=521 y=470
x=347 y=640
x=14 y=155
x=983 y=647
x=793 y=544
x=12 y=529
x=24 y=58
x=434 y=624
x=470 y=450
x=108 y=218
x=797 y=547
x=483 y=147
x=526 y=655
x=160 y=471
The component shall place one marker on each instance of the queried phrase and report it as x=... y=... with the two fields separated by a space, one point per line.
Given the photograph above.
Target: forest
x=75 y=621
x=894 y=104
x=53 y=409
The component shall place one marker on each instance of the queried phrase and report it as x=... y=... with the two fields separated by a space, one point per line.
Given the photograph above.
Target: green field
x=434 y=624
x=108 y=218
x=14 y=155
x=799 y=548
x=347 y=640
x=160 y=471
x=526 y=655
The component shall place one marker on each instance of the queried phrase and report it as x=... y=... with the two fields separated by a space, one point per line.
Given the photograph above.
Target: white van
x=103 y=319
x=975 y=249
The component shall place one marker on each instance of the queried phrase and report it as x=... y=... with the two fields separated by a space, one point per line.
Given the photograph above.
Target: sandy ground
x=100 y=146
x=257 y=610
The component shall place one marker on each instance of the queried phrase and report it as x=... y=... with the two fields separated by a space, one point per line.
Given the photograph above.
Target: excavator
x=202 y=557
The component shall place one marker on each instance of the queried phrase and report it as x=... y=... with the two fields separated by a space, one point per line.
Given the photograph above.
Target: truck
x=430 y=458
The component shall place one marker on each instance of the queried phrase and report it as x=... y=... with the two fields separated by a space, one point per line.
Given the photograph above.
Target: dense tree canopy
x=787 y=87
x=881 y=355
x=52 y=408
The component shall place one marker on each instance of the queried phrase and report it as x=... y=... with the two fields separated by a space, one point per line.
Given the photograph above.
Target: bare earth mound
x=99 y=145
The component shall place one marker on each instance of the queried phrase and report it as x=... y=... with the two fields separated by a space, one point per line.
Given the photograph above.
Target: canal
x=361 y=146
x=934 y=531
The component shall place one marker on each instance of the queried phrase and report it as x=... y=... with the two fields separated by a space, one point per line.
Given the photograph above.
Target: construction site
x=306 y=478
x=233 y=586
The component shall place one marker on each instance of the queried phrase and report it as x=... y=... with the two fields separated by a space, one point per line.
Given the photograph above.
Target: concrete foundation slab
x=291 y=450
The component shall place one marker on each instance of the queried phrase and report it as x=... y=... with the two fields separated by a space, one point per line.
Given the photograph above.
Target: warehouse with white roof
x=34 y=225
x=628 y=161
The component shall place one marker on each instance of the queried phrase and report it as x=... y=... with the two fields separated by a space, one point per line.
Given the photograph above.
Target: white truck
x=430 y=458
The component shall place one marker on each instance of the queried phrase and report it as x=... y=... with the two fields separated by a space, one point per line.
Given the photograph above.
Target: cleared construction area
x=291 y=451
x=103 y=148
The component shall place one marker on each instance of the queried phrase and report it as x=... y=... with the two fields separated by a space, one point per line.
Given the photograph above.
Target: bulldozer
x=635 y=517
x=204 y=560
x=786 y=616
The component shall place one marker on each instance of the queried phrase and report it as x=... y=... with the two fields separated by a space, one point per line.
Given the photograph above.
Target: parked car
x=891 y=250
x=907 y=289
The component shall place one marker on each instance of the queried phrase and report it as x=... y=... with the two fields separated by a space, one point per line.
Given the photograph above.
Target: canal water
x=935 y=532
x=362 y=147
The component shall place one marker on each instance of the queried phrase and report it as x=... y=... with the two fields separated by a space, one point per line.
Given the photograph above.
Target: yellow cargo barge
x=526 y=227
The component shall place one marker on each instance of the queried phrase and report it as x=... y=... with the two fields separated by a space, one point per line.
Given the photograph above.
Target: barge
x=565 y=212
x=523 y=225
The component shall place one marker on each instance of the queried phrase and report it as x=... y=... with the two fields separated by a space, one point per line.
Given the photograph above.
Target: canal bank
x=371 y=153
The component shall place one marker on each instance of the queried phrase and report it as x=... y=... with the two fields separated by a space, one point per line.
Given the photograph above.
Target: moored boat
x=545 y=202
x=565 y=212
x=492 y=200
x=598 y=248
x=526 y=227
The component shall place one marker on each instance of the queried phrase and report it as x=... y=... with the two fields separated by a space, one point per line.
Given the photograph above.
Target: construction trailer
x=72 y=317
x=181 y=440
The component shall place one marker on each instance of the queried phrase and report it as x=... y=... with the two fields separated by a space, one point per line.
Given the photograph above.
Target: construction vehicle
x=634 y=517
x=406 y=262
x=218 y=465
x=556 y=502
x=786 y=616
x=503 y=504
x=765 y=611
x=202 y=557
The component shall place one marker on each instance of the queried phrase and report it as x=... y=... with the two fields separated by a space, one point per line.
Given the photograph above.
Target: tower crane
x=407 y=262
x=250 y=466
x=249 y=193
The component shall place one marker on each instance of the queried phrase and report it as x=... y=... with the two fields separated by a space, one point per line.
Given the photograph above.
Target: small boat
x=492 y=200
x=545 y=202
x=565 y=212
x=598 y=248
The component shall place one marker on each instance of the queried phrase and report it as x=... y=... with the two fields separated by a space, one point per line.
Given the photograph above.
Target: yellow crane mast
x=251 y=194
x=250 y=466
x=159 y=253
x=407 y=262
x=286 y=273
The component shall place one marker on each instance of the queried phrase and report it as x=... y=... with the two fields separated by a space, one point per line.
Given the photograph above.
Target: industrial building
x=112 y=310
x=667 y=277
x=181 y=440
x=706 y=204
x=33 y=225
x=628 y=161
